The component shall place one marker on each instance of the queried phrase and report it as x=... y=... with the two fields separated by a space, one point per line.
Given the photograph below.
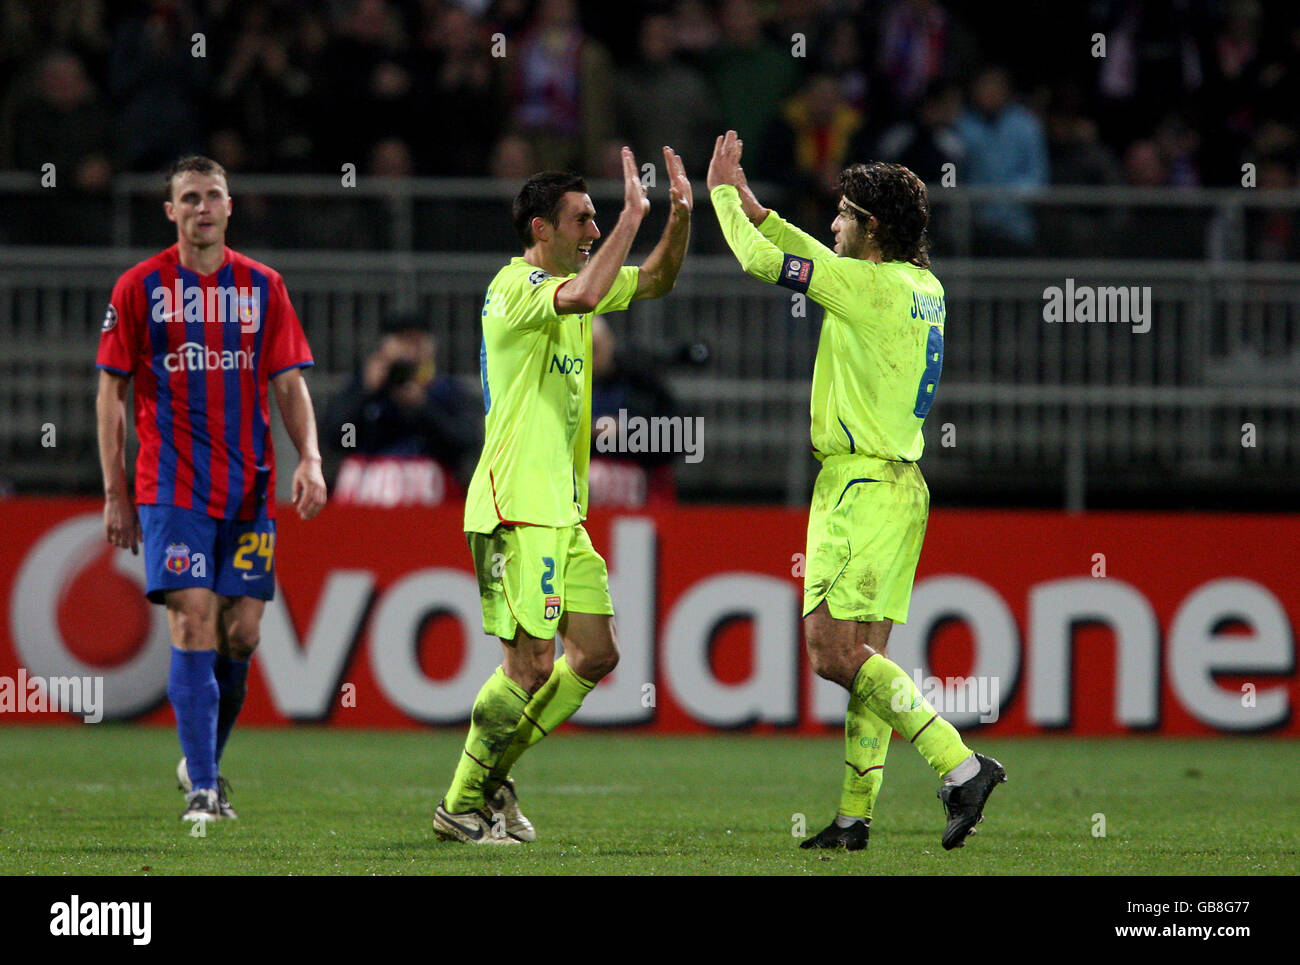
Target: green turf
x=101 y=800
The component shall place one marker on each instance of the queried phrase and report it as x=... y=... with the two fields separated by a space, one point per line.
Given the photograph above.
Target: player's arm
x=775 y=228
x=300 y=420
x=659 y=273
x=584 y=292
x=832 y=282
x=789 y=238
x=121 y=524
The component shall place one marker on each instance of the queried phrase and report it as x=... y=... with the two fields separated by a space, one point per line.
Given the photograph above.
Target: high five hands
x=635 y=199
x=724 y=168
x=679 y=188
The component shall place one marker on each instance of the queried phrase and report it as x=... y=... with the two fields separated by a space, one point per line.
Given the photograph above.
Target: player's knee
x=529 y=669
x=534 y=677
x=241 y=641
x=194 y=629
x=599 y=665
x=823 y=659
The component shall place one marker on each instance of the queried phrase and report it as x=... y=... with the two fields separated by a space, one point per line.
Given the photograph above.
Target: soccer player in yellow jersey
x=537 y=570
x=878 y=363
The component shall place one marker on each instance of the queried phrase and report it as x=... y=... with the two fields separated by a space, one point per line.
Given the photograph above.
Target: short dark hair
x=898 y=199
x=540 y=197
x=199 y=165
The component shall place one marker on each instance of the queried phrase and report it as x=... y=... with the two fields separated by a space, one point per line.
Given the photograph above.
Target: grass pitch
x=90 y=800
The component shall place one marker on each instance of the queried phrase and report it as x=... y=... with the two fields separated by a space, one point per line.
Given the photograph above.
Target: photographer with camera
x=406 y=433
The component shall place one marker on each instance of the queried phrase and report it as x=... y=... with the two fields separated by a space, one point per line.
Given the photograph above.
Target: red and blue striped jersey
x=202 y=350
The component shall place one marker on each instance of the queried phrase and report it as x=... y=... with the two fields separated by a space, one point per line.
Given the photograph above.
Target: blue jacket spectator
x=1005 y=146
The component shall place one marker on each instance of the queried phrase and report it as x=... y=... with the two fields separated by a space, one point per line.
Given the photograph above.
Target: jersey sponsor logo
x=193 y=357
x=110 y=318
x=217 y=304
x=178 y=558
x=929 y=308
x=565 y=364
x=795 y=274
x=538 y=276
x=552 y=608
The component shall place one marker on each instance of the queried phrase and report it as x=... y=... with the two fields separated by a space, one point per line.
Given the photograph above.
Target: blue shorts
x=184 y=549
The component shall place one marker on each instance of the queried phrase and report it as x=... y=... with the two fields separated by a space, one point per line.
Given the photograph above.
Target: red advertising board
x=1021 y=622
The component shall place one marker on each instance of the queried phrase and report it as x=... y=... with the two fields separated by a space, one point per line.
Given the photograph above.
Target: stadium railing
x=1200 y=396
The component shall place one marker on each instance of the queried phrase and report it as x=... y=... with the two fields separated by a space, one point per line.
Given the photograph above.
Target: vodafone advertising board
x=1021 y=622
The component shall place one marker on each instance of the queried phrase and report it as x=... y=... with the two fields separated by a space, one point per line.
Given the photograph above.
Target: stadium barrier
x=1021 y=622
x=1199 y=394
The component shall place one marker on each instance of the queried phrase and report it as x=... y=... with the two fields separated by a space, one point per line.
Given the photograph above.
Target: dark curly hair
x=897 y=198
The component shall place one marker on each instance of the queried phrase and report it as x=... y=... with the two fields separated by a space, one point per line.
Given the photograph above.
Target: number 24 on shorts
x=259 y=544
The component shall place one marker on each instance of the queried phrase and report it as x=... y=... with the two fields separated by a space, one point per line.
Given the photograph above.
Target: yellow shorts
x=865 y=529
x=528 y=576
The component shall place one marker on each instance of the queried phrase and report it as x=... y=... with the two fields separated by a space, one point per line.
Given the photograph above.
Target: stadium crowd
x=1187 y=89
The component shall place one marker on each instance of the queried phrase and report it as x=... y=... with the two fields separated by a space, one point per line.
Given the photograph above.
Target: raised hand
x=679 y=187
x=724 y=167
x=634 y=196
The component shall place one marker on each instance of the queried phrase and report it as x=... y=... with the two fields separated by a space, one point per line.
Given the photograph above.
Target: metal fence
x=1207 y=398
x=333 y=213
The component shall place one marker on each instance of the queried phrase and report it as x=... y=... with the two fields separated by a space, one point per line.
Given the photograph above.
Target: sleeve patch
x=537 y=277
x=110 y=318
x=796 y=273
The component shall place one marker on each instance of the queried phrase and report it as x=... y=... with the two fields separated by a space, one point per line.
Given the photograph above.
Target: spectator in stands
x=842 y=55
x=750 y=74
x=809 y=146
x=60 y=121
x=561 y=88
x=63 y=123
x=626 y=381
x=1076 y=154
x=1153 y=62
x=465 y=91
x=926 y=142
x=1179 y=145
x=512 y=159
x=369 y=87
x=696 y=29
x=1272 y=234
x=1004 y=147
x=1143 y=165
x=662 y=100
x=391 y=158
x=407 y=434
x=261 y=93
x=1155 y=232
x=158 y=86
x=914 y=43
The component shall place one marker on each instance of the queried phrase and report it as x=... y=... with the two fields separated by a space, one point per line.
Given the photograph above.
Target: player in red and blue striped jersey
x=205 y=332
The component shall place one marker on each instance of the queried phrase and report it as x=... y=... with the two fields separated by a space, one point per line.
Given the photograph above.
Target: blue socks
x=232 y=680
x=192 y=689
